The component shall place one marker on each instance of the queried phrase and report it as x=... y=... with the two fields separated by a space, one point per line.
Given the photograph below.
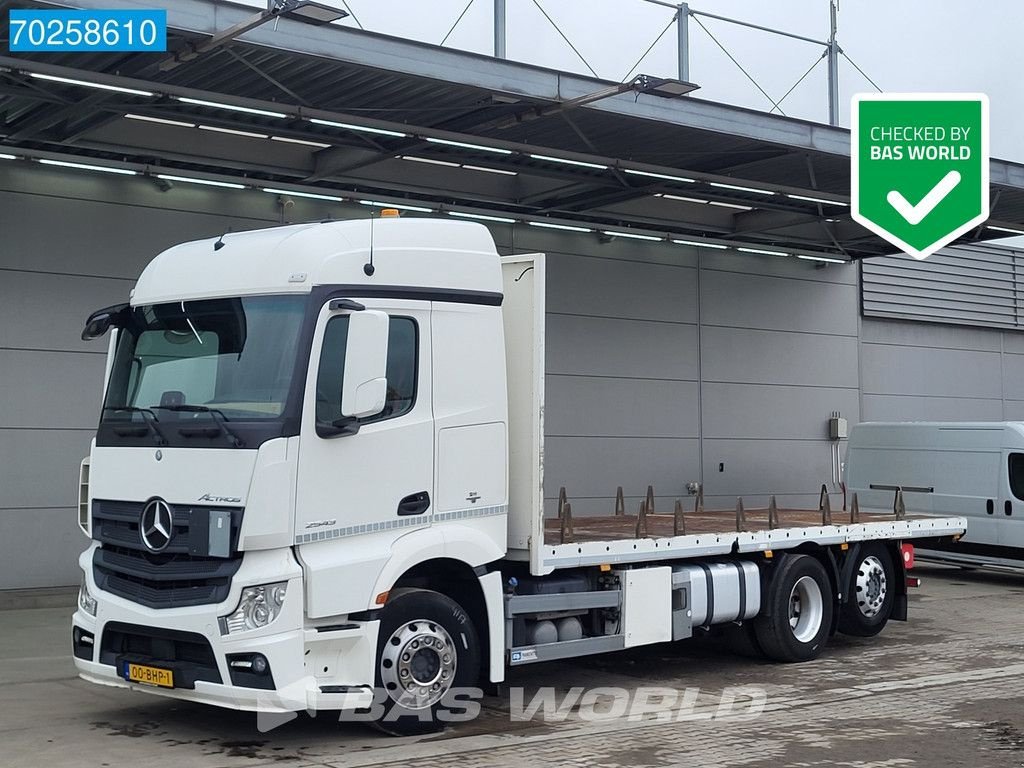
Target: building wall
x=665 y=365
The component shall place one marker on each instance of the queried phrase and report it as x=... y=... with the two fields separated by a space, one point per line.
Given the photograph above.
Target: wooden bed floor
x=619 y=527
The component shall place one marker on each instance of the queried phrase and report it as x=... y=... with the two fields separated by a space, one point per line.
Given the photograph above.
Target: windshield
x=215 y=359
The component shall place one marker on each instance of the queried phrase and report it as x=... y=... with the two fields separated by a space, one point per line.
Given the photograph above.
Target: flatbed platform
x=620 y=527
x=572 y=542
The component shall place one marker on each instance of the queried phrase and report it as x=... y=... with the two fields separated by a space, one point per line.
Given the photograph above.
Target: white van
x=973 y=469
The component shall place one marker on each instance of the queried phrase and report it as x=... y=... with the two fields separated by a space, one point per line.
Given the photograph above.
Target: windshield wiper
x=217 y=415
x=148 y=417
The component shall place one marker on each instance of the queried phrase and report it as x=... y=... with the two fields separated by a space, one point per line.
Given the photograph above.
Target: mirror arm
x=347 y=425
x=353 y=306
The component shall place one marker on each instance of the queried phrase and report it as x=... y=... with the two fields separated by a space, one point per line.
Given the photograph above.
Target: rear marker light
x=907 y=551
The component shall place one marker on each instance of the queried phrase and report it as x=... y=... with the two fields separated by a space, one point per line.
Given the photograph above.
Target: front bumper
x=331 y=669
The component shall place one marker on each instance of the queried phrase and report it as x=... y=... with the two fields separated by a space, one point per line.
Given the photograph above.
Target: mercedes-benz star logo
x=156 y=525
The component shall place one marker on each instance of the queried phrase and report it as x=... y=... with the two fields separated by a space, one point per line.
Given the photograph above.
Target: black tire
x=871 y=592
x=797 y=613
x=417 y=626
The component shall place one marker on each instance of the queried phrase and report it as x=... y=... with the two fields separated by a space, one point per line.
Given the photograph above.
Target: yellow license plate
x=139 y=673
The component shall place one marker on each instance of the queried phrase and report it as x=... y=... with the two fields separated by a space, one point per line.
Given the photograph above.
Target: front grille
x=188 y=654
x=182 y=574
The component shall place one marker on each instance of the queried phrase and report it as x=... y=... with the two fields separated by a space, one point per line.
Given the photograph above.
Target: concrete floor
x=945 y=689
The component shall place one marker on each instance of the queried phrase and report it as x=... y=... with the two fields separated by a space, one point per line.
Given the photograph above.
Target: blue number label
x=44 y=31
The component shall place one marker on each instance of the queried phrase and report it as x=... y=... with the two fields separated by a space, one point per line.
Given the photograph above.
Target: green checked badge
x=920 y=167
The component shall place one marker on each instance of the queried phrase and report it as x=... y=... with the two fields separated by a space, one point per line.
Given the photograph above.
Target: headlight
x=258 y=607
x=86 y=601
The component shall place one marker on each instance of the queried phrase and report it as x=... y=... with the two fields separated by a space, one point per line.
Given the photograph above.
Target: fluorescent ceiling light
x=232 y=107
x=763 y=252
x=311 y=195
x=205 y=182
x=161 y=120
x=738 y=188
x=681 y=198
x=464 y=145
x=233 y=132
x=428 y=160
x=701 y=244
x=358 y=128
x=664 y=176
x=720 y=204
x=1005 y=229
x=633 y=235
x=399 y=206
x=85 y=167
x=5 y=156
x=482 y=217
x=549 y=225
x=821 y=258
x=87 y=84
x=290 y=140
x=502 y=171
x=580 y=163
x=808 y=199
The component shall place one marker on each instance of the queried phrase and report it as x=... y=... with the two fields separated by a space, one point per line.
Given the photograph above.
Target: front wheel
x=427 y=649
x=871 y=592
x=798 y=611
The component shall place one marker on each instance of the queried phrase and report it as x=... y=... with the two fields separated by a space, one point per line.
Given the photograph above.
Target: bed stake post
x=566 y=519
x=678 y=521
x=620 y=502
x=698 y=505
x=564 y=516
x=741 y=516
x=825 y=506
x=854 y=511
x=899 y=508
x=641 y=521
x=773 y=513
x=650 y=500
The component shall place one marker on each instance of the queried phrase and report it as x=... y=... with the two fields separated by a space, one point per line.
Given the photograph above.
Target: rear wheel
x=426 y=647
x=871 y=592
x=798 y=611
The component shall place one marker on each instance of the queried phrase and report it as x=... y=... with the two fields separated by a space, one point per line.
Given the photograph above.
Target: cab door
x=378 y=477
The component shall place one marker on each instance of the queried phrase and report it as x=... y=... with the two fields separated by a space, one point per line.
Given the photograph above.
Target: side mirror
x=99 y=322
x=365 y=385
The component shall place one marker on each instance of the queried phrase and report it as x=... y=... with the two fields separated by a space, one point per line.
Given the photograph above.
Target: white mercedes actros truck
x=317 y=483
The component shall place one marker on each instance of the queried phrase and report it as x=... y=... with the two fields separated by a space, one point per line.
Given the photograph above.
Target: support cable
x=824 y=55
x=464 y=10
x=651 y=46
x=567 y=40
x=775 y=104
x=352 y=14
x=862 y=72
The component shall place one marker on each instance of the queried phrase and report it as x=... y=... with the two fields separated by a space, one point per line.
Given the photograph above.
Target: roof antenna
x=368 y=268
x=220 y=241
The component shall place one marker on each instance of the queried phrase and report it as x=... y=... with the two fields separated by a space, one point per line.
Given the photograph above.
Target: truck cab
x=294 y=421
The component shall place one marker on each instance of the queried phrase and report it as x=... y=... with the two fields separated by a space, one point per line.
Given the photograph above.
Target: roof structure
x=329 y=110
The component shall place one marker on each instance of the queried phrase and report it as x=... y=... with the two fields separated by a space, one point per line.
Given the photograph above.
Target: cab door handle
x=414 y=504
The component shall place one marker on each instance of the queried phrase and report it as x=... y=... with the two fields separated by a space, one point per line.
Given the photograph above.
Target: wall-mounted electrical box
x=837 y=428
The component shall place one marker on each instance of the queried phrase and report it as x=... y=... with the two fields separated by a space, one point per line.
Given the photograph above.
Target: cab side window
x=1017 y=475
x=403 y=345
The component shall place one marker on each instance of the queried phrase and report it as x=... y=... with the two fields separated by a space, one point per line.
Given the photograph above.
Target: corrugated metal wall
x=662 y=363
x=969 y=285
